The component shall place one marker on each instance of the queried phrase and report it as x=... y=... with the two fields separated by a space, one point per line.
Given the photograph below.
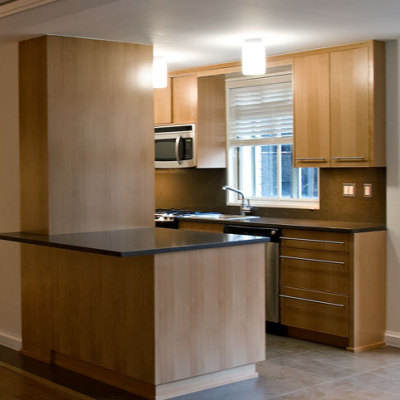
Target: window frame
x=232 y=199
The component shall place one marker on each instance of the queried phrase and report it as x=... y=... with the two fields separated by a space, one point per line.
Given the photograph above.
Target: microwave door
x=175 y=148
x=165 y=149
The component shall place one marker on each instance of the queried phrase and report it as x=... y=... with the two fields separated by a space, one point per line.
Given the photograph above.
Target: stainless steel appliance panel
x=271 y=265
x=272 y=281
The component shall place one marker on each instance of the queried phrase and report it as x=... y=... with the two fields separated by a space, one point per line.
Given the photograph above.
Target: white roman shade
x=260 y=110
x=260 y=143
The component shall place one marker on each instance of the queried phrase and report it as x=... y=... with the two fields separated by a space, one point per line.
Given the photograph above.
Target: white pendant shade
x=253 y=57
x=160 y=72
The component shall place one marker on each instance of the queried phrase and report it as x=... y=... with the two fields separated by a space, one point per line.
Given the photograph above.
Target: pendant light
x=160 y=72
x=253 y=57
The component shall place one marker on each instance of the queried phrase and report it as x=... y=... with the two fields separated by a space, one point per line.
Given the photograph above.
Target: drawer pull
x=313 y=259
x=311 y=301
x=311 y=240
x=348 y=158
x=315 y=159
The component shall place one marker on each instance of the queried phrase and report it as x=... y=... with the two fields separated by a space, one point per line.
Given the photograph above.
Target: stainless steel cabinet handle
x=316 y=159
x=177 y=143
x=311 y=240
x=313 y=259
x=312 y=301
x=348 y=158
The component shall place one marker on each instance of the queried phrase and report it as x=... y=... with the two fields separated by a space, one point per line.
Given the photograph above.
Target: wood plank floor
x=24 y=378
x=16 y=384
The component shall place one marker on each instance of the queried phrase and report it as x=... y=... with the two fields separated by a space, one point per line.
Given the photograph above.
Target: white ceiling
x=200 y=32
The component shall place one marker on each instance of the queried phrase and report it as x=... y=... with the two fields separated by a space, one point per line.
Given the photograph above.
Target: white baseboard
x=392 y=339
x=11 y=341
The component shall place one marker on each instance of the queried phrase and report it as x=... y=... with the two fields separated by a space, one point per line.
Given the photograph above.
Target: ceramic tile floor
x=299 y=370
x=293 y=370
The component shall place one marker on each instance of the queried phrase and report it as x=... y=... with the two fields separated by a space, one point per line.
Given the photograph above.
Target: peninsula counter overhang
x=134 y=242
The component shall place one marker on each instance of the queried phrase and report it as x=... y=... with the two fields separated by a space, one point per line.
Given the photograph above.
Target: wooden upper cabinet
x=311 y=111
x=184 y=99
x=177 y=103
x=200 y=101
x=357 y=106
x=339 y=107
x=163 y=105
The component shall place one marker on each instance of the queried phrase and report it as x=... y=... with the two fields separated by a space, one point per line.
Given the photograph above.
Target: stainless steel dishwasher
x=271 y=265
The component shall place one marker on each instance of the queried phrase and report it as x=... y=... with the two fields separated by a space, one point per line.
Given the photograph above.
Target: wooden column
x=86 y=130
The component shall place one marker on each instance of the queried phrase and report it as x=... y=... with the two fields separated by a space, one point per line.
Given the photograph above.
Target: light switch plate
x=367 y=190
x=349 y=189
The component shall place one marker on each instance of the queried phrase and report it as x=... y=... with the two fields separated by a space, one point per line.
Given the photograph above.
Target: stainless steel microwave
x=175 y=146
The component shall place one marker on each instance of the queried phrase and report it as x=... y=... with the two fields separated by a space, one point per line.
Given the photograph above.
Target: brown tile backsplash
x=200 y=189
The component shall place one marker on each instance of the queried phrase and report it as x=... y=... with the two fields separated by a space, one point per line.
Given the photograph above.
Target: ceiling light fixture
x=253 y=57
x=160 y=72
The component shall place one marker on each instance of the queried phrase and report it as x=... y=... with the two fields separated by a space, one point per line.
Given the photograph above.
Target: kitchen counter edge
x=133 y=242
x=286 y=223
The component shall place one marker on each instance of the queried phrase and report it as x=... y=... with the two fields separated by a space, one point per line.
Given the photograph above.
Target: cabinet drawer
x=315 y=311
x=201 y=226
x=316 y=240
x=316 y=270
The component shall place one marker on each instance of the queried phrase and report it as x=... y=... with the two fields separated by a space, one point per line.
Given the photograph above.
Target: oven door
x=167 y=224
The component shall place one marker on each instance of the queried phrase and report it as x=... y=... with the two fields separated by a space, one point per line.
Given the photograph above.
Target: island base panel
x=156 y=325
x=156 y=392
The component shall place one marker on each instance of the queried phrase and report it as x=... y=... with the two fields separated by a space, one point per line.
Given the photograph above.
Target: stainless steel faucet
x=244 y=208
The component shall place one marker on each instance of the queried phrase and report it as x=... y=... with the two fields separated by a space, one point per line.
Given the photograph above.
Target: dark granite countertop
x=292 y=223
x=134 y=242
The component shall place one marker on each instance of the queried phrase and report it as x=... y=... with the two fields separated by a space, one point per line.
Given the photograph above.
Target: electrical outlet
x=349 y=189
x=367 y=190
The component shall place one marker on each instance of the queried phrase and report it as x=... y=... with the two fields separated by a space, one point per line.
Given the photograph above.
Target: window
x=260 y=143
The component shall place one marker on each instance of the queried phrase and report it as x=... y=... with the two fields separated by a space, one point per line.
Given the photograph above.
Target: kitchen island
x=157 y=312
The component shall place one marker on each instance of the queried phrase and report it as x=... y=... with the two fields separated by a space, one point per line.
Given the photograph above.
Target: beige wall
x=393 y=193
x=10 y=314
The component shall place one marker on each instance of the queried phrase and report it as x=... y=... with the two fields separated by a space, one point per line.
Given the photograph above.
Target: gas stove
x=166 y=217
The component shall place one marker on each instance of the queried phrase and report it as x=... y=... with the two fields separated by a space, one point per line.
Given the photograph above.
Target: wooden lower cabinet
x=334 y=284
x=201 y=226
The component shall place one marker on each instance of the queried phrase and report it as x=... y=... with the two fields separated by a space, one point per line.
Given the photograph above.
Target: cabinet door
x=350 y=123
x=184 y=99
x=211 y=123
x=162 y=105
x=311 y=96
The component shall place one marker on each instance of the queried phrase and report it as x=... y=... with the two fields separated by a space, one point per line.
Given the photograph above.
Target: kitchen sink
x=219 y=217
